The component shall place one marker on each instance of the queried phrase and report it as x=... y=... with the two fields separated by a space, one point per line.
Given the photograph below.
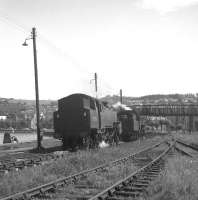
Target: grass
x=178 y=181
x=71 y=163
x=102 y=180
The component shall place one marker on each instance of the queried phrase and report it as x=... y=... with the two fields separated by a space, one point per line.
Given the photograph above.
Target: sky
x=140 y=46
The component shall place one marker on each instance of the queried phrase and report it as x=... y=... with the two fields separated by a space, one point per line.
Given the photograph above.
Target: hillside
x=20 y=113
x=155 y=99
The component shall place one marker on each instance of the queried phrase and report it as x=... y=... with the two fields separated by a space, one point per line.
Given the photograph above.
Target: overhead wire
x=62 y=53
x=24 y=29
x=12 y=23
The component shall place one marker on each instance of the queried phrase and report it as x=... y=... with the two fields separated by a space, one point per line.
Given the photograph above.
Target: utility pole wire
x=22 y=28
x=11 y=22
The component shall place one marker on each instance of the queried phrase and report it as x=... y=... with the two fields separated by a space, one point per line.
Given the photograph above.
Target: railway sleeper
x=132 y=189
x=150 y=177
x=113 y=198
x=150 y=173
x=127 y=194
x=156 y=170
x=139 y=182
x=31 y=194
x=157 y=166
x=83 y=186
x=153 y=169
x=144 y=179
x=74 y=196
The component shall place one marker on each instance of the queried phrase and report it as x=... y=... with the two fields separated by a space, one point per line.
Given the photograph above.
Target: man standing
x=7 y=138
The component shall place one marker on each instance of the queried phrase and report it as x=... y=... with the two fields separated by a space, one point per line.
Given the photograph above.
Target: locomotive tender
x=81 y=118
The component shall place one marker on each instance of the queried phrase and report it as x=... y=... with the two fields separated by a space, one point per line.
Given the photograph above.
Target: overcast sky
x=142 y=46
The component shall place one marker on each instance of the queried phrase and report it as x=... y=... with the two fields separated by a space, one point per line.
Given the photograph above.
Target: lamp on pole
x=33 y=37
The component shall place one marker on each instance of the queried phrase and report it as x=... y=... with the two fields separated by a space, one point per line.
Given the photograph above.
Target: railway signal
x=33 y=37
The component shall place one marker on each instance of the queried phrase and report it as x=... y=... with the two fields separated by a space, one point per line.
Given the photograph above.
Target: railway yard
x=109 y=109
x=101 y=152
x=133 y=170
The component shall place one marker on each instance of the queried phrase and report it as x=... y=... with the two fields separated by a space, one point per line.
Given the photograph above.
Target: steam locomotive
x=84 y=121
x=130 y=126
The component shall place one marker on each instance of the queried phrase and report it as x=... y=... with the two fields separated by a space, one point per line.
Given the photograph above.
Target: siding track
x=22 y=160
x=51 y=189
x=136 y=183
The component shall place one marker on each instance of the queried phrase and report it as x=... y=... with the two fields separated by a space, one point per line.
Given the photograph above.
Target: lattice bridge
x=167 y=110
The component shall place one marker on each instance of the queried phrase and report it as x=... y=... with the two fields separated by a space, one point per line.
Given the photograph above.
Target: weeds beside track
x=70 y=179
x=25 y=160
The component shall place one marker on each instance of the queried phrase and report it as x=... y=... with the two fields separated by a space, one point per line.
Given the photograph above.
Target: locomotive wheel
x=69 y=143
x=91 y=141
x=64 y=144
x=80 y=142
x=86 y=142
x=94 y=138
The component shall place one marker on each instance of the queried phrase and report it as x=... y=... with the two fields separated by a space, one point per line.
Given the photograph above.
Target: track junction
x=149 y=162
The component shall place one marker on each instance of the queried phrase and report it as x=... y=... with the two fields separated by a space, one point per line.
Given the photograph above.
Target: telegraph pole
x=121 y=96
x=33 y=37
x=96 y=83
x=36 y=90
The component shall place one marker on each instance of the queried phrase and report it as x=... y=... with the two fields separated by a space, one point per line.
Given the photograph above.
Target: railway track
x=20 y=160
x=140 y=159
x=136 y=183
x=186 y=148
x=23 y=160
x=187 y=144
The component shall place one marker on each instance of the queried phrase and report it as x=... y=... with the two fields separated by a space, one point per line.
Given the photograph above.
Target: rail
x=69 y=179
x=124 y=182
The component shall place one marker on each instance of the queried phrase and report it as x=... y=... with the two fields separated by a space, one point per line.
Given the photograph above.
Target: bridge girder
x=167 y=110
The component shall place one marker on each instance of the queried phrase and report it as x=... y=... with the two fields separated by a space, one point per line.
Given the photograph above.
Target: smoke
x=119 y=106
x=103 y=144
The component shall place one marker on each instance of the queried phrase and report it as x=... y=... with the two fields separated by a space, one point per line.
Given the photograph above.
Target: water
x=22 y=137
